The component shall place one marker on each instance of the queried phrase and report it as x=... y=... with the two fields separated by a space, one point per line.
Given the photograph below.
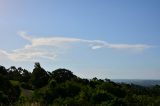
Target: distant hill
x=142 y=82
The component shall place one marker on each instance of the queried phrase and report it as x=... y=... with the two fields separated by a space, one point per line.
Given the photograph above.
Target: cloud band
x=50 y=47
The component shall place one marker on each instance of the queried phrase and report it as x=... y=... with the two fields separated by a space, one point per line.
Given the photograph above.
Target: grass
x=26 y=92
x=14 y=83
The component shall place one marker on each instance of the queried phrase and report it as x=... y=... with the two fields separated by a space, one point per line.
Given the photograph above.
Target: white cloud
x=140 y=47
x=24 y=35
x=3 y=55
x=51 y=47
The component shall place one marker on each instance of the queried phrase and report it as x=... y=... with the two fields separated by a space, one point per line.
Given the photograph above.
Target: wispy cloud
x=3 y=55
x=51 y=47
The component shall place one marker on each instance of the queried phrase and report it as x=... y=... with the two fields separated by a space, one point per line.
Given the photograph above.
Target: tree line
x=19 y=87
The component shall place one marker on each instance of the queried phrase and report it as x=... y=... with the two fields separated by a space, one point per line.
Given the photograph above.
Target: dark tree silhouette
x=26 y=75
x=39 y=76
x=3 y=70
x=62 y=75
x=14 y=73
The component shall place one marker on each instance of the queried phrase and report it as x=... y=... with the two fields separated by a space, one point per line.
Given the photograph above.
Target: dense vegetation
x=19 y=87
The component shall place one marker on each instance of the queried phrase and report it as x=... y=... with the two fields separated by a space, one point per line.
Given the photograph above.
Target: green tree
x=25 y=75
x=14 y=73
x=62 y=75
x=3 y=70
x=39 y=76
x=101 y=96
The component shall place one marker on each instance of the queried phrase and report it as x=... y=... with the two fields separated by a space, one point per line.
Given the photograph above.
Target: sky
x=115 y=39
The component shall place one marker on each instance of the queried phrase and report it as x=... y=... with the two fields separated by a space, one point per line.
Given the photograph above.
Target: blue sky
x=93 y=38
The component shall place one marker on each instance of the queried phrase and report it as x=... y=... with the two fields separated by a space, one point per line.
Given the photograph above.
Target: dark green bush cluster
x=61 y=87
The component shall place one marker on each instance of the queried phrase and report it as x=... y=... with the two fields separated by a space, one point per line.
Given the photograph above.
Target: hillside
x=19 y=87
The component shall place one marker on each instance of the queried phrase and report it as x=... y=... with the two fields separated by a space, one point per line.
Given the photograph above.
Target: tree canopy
x=39 y=76
x=19 y=87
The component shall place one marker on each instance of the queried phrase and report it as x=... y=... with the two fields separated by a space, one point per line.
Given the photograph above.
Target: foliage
x=20 y=87
x=62 y=75
x=39 y=76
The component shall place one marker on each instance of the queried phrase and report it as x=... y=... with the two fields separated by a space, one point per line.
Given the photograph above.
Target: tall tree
x=14 y=73
x=3 y=70
x=39 y=76
x=25 y=75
